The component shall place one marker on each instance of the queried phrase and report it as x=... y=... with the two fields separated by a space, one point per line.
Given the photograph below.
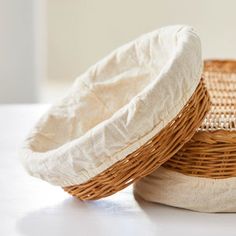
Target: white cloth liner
x=115 y=107
x=189 y=192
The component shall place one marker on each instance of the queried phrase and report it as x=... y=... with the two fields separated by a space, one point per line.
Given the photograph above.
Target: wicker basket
x=201 y=175
x=123 y=118
x=211 y=153
x=151 y=155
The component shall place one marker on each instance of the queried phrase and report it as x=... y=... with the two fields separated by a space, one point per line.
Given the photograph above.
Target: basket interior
x=220 y=79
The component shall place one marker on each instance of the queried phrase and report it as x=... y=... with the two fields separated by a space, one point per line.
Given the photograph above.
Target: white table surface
x=29 y=206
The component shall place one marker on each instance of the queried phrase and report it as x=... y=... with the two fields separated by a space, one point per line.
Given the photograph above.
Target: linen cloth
x=115 y=107
x=193 y=193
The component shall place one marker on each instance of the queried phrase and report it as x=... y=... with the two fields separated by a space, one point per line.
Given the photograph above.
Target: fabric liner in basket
x=202 y=175
x=121 y=117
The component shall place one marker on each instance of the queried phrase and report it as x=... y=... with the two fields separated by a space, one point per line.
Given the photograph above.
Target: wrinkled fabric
x=115 y=107
x=194 y=193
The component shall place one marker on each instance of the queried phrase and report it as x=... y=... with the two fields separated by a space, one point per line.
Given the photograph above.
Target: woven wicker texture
x=151 y=155
x=211 y=153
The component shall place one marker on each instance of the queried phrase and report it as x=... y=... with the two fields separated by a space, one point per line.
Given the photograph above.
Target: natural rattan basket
x=151 y=155
x=211 y=153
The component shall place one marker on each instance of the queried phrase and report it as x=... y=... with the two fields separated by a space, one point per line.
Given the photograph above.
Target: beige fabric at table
x=193 y=193
x=115 y=107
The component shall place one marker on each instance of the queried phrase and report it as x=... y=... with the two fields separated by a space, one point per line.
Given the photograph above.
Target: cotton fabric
x=192 y=193
x=115 y=107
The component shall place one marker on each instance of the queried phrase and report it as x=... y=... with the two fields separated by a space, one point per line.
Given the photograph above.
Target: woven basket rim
x=219 y=65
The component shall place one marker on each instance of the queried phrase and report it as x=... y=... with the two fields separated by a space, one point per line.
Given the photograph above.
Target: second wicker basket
x=202 y=175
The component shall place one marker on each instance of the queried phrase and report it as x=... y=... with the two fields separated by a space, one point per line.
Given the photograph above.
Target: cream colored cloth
x=193 y=193
x=115 y=107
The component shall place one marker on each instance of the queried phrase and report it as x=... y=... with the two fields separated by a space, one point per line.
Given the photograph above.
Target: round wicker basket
x=211 y=153
x=151 y=155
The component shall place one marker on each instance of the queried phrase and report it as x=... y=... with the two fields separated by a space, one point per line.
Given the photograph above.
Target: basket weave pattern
x=149 y=156
x=211 y=153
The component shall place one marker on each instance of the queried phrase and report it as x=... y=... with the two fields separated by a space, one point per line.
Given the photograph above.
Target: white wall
x=20 y=63
x=82 y=31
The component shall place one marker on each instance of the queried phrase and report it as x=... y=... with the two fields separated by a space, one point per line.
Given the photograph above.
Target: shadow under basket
x=149 y=156
x=211 y=153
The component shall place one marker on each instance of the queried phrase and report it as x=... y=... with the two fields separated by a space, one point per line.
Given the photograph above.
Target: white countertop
x=29 y=206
